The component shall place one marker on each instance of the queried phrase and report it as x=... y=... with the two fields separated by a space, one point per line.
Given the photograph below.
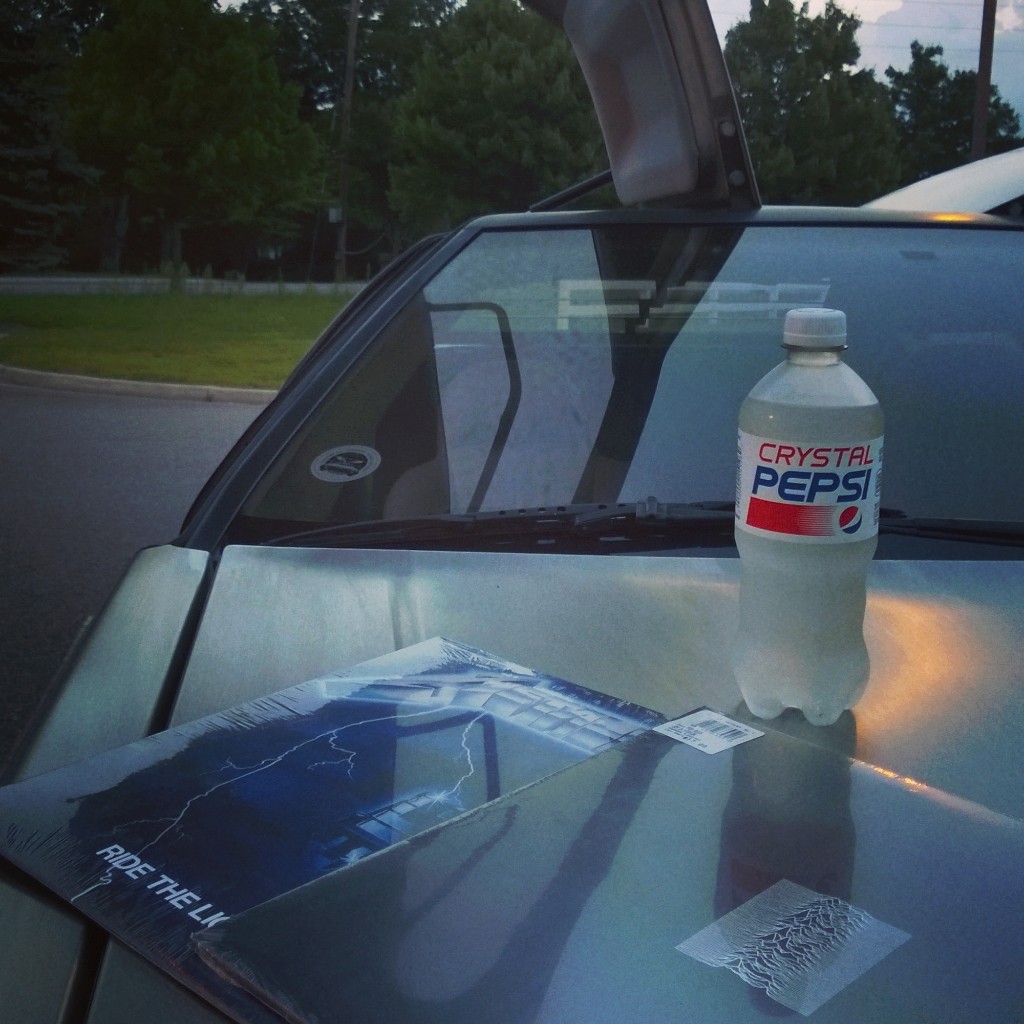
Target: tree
x=181 y=107
x=818 y=130
x=498 y=116
x=70 y=19
x=934 y=110
x=310 y=49
x=311 y=37
x=39 y=176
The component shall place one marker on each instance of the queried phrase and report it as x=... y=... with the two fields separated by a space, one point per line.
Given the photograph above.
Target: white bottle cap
x=815 y=328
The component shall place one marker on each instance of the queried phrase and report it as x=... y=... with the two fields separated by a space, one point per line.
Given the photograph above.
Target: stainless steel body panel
x=130 y=990
x=566 y=901
x=942 y=705
x=43 y=959
x=108 y=699
x=117 y=678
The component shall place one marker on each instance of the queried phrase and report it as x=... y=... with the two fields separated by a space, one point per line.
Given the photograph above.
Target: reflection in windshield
x=558 y=366
x=564 y=366
x=486 y=450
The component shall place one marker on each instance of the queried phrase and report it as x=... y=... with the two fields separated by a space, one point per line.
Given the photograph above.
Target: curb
x=133 y=388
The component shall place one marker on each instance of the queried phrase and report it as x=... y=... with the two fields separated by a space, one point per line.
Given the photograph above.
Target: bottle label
x=806 y=492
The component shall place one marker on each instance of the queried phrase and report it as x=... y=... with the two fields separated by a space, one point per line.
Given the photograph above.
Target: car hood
x=944 y=640
x=984 y=186
x=662 y=95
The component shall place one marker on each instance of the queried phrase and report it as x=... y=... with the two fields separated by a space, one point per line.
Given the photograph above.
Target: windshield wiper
x=588 y=523
x=622 y=519
x=979 y=531
x=651 y=514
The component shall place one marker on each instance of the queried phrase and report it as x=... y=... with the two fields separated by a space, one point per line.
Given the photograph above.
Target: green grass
x=233 y=340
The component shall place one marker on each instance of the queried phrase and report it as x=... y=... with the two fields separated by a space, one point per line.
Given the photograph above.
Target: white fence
x=103 y=285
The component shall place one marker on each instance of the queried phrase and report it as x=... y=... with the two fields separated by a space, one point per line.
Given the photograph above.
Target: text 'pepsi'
x=842 y=483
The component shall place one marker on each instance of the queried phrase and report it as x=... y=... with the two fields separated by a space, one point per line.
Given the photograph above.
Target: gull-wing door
x=657 y=76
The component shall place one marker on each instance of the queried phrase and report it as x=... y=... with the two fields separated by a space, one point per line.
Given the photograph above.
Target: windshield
x=608 y=364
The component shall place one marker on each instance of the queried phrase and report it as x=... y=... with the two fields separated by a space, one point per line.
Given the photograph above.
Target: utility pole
x=340 y=270
x=979 y=124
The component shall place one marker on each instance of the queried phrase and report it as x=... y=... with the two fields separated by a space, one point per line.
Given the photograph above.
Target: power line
x=744 y=12
x=972 y=29
x=849 y=7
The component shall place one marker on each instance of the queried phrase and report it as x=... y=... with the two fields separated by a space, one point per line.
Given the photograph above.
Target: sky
x=889 y=26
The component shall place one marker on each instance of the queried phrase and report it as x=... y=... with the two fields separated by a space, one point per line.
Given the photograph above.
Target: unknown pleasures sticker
x=799 y=946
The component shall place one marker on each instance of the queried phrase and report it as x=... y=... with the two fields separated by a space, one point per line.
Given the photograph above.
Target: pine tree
x=498 y=116
x=40 y=176
x=934 y=108
x=819 y=130
x=181 y=107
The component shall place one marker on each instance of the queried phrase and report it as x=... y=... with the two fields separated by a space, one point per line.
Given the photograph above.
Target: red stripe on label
x=782 y=517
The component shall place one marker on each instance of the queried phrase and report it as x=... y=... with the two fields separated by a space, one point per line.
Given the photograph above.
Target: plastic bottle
x=807 y=500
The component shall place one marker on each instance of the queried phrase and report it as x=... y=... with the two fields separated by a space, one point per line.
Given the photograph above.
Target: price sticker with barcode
x=708 y=731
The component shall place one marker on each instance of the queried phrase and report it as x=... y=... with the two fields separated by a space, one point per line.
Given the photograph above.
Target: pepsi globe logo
x=850 y=519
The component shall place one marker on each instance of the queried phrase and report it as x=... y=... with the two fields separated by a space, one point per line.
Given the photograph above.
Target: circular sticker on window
x=345 y=463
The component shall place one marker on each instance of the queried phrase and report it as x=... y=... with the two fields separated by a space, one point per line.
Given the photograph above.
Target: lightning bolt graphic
x=331 y=735
x=449 y=795
x=349 y=759
x=105 y=879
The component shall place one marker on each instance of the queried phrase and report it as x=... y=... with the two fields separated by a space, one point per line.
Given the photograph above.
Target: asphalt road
x=85 y=481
